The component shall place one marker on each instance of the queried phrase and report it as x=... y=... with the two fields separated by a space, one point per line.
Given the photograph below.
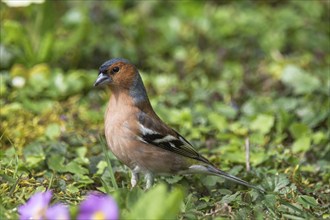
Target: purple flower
x=58 y=212
x=38 y=208
x=98 y=207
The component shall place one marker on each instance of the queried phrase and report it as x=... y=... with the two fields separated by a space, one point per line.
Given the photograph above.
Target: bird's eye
x=115 y=69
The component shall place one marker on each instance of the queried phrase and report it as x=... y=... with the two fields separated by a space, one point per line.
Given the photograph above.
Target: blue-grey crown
x=108 y=63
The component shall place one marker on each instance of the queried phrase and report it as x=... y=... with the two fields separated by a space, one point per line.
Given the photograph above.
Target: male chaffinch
x=138 y=137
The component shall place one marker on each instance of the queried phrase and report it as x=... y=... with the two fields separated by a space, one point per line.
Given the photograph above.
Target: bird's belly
x=119 y=146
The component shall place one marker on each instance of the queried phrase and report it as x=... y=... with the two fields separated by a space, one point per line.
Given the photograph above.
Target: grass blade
x=107 y=157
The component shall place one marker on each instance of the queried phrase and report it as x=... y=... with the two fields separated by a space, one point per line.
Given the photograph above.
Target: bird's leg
x=149 y=177
x=134 y=178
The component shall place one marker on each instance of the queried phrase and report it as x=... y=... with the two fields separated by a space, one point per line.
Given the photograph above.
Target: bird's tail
x=217 y=172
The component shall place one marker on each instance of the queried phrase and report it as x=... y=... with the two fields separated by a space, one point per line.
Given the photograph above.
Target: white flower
x=18 y=81
x=22 y=3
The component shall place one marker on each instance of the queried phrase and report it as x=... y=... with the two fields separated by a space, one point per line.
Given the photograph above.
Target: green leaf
x=173 y=179
x=74 y=82
x=210 y=180
x=75 y=168
x=307 y=201
x=270 y=203
x=53 y=131
x=34 y=160
x=158 y=203
x=34 y=155
x=81 y=152
x=302 y=82
x=302 y=144
x=280 y=182
x=40 y=106
x=318 y=137
x=218 y=121
x=101 y=167
x=263 y=123
x=72 y=189
x=56 y=163
x=238 y=129
x=226 y=110
x=298 y=130
x=46 y=47
x=230 y=198
x=82 y=180
x=258 y=157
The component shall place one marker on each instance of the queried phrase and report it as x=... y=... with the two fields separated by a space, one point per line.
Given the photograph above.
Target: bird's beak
x=102 y=79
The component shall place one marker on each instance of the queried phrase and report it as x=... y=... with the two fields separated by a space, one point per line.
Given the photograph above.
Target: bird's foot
x=149 y=177
x=134 y=179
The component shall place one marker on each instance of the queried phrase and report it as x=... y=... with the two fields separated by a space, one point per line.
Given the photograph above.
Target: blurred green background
x=220 y=72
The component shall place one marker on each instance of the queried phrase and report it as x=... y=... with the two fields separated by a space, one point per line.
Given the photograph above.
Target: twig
x=51 y=181
x=247 y=154
x=14 y=186
x=225 y=209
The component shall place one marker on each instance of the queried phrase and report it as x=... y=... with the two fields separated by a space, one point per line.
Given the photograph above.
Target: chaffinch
x=138 y=137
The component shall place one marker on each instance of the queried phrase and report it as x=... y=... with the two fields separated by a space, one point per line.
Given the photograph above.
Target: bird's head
x=116 y=72
x=121 y=75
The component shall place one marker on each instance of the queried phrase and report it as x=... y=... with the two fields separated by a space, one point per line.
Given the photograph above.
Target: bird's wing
x=154 y=132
